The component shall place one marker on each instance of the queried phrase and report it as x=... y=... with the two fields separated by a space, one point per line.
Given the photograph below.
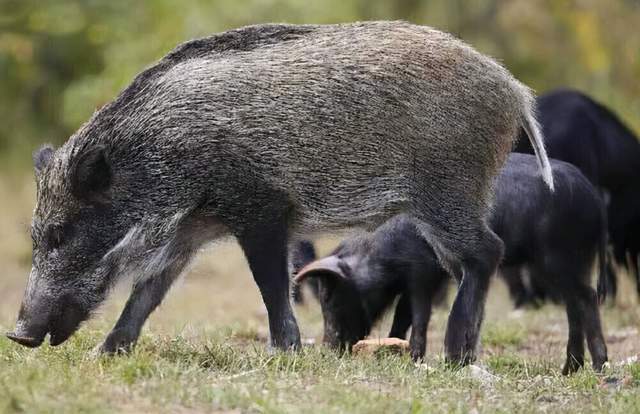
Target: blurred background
x=60 y=60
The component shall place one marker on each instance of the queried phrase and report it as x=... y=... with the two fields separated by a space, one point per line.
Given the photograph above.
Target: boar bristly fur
x=267 y=132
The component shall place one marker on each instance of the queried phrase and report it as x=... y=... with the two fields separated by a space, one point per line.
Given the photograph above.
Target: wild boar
x=265 y=133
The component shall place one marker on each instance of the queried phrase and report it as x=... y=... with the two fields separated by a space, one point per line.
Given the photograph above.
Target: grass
x=205 y=350
x=218 y=373
x=503 y=335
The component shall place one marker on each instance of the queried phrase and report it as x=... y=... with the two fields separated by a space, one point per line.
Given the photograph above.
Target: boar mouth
x=58 y=337
x=55 y=340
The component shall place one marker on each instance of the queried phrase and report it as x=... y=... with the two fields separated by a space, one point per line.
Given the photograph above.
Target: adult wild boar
x=264 y=133
x=585 y=133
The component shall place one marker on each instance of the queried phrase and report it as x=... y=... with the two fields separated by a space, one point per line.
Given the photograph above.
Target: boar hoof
x=572 y=365
x=417 y=355
x=286 y=344
x=288 y=338
x=117 y=343
x=460 y=346
x=460 y=357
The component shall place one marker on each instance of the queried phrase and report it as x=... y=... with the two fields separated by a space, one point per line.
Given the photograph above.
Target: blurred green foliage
x=62 y=59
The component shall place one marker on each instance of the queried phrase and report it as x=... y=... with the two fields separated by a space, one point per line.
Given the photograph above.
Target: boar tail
x=532 y=129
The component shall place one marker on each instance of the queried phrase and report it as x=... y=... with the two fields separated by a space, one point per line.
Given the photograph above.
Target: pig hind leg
x=471 y=251
x=479 y=261
x=588 y=307
x=572 y=280
x=593 y=328
x=556 y=273
x=586 y=302
x=265 y=247
x=575 y=344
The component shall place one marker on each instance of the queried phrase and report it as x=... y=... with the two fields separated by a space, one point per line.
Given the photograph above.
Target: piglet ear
x=42 y=157
x=330 y=266
x=91 y=174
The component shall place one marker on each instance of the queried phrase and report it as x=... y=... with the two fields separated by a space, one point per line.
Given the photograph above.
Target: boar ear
x=42 y=157
x=329 y=266
x=91 y=174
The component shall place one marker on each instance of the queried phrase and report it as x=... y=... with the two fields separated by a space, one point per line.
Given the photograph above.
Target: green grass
x=221 y=373
x=504 y=335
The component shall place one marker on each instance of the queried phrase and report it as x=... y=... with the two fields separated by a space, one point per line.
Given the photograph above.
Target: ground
x=204 y=350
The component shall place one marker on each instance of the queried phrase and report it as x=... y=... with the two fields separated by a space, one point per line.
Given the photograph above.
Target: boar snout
x=29 y=332
x=59 y=319
x=24 y=340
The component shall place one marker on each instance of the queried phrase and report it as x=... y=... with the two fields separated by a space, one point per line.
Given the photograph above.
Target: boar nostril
x=23 y=340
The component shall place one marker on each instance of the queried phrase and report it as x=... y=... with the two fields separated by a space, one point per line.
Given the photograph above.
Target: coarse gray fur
x=269 y=132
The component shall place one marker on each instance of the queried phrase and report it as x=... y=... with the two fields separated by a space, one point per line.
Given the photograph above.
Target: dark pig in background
x=266 y=133
x=557 y=236
x=585 y=133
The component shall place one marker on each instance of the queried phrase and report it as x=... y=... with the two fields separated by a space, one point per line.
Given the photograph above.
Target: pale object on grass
x=373 y=346
x=308 y=341
x=481 y=374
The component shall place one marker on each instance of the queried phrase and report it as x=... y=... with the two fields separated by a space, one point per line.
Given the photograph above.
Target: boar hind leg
x=560 y=274
x=145 y=297
x=266 y=250
x=401 y=318
x=588 y=301
x=575 y=345
x=477 y=252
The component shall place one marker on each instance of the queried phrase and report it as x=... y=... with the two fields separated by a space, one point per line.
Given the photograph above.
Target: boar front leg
x=145 y=297
x=265 y=247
